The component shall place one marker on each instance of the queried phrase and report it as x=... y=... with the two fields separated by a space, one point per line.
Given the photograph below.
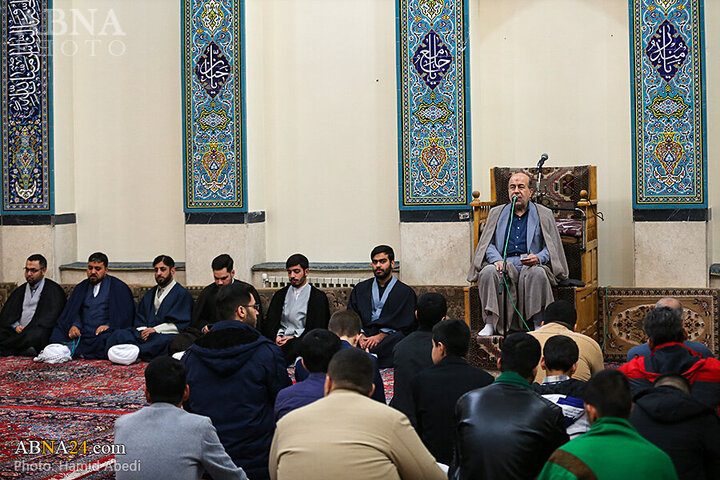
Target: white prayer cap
x=124 y=354
x=54 y=353
x=178 y=355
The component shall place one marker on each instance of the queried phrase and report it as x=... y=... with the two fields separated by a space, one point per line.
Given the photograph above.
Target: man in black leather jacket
x=505 y=430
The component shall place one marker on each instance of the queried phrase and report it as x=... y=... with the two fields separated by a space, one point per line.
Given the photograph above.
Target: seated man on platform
x=165 y=441
x=385 y=305
x=560 y=318
x=346 y=324
x=163 y=312
x=535 y=260
x=435 y=391
x=413 y=353
x=348 y=436
x=204 y=313
x=31 y=311
x=665 y=332
x=506 y=430
x=612 y=448
x=644 y=350
x=295 y=309
x=559 y=361
x=234 y=374
x=97 y=307
x=317 y=348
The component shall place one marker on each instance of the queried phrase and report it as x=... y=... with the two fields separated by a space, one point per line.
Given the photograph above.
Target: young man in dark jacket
x=234 y=375
x=681 y=426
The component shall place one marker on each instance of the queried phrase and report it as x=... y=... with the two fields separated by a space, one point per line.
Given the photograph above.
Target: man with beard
x=31 y=311
x=295 y=309
x=204 y=313
x=518 y=259
x=97 y=307
x=385 y=305
x=163 y=312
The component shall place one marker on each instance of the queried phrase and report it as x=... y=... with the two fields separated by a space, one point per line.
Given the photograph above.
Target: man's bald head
x=670 y=302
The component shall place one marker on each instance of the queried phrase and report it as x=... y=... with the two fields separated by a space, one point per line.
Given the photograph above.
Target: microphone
x=543 y=158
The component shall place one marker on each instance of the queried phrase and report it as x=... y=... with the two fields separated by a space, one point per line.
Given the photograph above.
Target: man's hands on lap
x=146 y=333
x=101 y=329
x=368 y=343
x=74 y=332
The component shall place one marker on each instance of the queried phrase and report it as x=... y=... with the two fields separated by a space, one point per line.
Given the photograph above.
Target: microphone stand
x=538 y=193
x=504 y=268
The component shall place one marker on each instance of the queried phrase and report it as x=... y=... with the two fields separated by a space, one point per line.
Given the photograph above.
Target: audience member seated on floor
x=31 y=311
x=413 y=353
x=560 y=357
x=682 y=427
x=644 y=349
x=235 y=374
x=346 y=324
x=295 y=309
x=163 y=440
x=386 y=306
x=204 y=313
x=98 y=306
x=317 y=348
x=665 y=332
x=506 y=430
x=535 y=259
x=435 y=391
x=560 y=318
x=163 y=312
x=612 y=449
x=348 y=436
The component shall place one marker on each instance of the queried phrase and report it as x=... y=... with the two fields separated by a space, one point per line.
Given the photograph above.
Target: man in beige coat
x=559 y=318
x=347 y=435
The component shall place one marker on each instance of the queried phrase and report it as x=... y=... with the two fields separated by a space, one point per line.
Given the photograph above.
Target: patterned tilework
x=26 y=107
x=669 y=168
x=434 y=117
x=213 y=102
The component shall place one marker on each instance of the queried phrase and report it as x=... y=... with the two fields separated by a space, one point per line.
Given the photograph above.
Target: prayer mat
x=622 y=311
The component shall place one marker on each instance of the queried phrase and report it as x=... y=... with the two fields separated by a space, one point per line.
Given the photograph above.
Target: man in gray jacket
x=165 y=441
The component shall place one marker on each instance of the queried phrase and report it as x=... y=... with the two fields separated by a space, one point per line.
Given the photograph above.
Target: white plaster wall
x=712 y=124
x=15 y=248
x=330 y=128
x=436 y=253
x=127 y=118
x=553 y=76
x=63 y=122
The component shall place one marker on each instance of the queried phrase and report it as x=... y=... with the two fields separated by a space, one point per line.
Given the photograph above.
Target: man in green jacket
x=612 y=449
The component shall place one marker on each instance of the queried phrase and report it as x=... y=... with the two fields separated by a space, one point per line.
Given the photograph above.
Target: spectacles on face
x=32 y=270
x=255 y=307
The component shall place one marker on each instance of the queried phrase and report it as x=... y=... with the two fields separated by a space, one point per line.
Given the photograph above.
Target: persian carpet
x=622 y=311
x=75 y=403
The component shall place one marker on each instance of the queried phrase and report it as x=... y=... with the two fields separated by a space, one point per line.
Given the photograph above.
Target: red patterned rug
x=73 y=405
x=56 y=421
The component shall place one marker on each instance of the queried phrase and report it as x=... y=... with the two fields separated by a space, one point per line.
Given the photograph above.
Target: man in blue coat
x=97 y=307
x=162 y=313
x=234 y=374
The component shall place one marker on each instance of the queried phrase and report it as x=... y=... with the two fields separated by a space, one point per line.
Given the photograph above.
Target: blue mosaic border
x=26 y=98
x=213 y=77
x=433 y=104
x=668 y=104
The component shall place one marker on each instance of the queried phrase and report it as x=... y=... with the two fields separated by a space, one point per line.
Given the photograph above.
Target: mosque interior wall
x=322 y=131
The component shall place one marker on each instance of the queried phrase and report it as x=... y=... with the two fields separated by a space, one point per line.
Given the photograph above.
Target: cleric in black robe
x=204 y=312
x=295 y=309
x=26 y=322
x=385 y=305
x=96 y=308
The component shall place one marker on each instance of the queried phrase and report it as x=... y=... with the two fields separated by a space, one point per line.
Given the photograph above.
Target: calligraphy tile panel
x=26 y=107
x=432 y=102
x=213 y=105
x=668 y=124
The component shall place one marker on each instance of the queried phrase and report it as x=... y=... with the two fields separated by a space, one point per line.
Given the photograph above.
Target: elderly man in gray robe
x=535 y=260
